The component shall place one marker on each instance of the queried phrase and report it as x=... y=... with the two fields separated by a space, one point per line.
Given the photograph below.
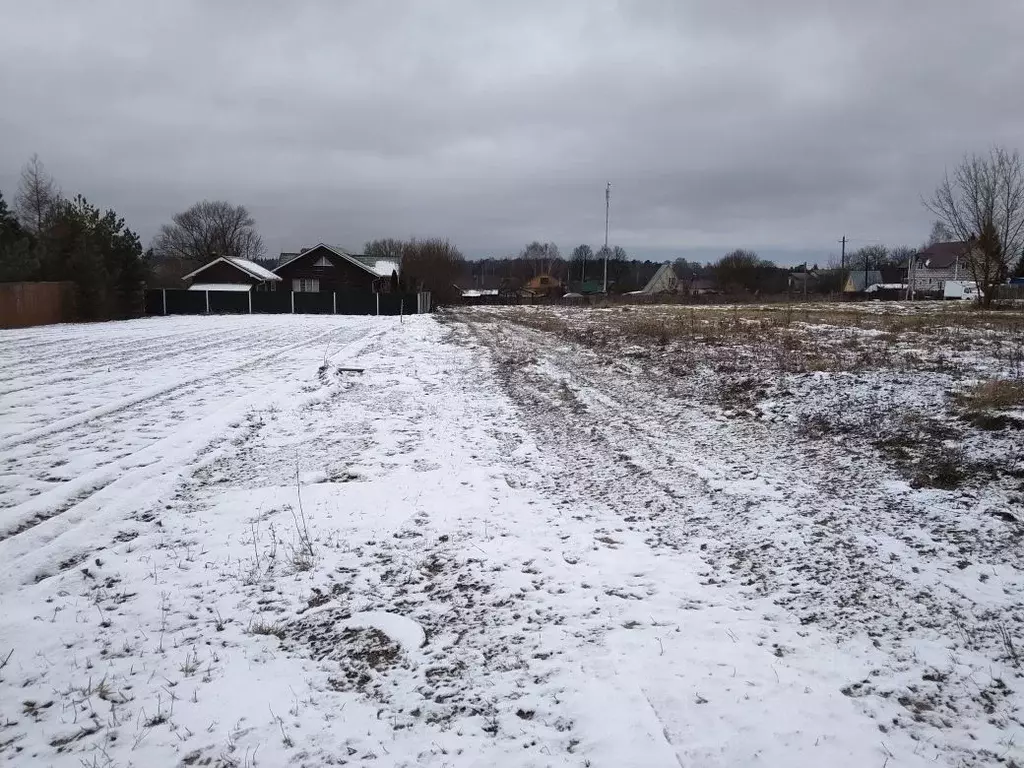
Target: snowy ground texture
x=654 y=537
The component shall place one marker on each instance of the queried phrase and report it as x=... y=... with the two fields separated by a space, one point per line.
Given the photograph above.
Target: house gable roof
x=665 y=280
x=942 y=255
x=376 y=267
x=250 y=268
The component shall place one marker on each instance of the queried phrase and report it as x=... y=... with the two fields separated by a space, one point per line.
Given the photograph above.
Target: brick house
x=937 y=263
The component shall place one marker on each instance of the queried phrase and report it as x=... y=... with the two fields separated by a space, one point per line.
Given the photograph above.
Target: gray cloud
x=778 y=126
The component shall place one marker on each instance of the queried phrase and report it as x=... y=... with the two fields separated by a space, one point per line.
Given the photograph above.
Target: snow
x=220 y=287
x=220 y=545
x=406 y=632
x=384 y=268
x=254 y=269
x=249 y=267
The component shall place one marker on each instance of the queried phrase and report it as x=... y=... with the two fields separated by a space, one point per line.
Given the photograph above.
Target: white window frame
x=306 y=285
x=323 y=261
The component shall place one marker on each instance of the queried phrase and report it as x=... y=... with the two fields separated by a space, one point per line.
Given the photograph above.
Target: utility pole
x=607 y=208
x=842 y=267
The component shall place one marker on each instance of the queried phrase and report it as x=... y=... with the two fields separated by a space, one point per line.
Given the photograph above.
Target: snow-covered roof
x=250 y=268
x=384 y=268
x=475 y=292
x=254 y=269
x=220 y=286
x=886 y=287
x=378 y=267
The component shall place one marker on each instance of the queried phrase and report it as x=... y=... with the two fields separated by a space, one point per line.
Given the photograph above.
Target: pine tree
x=17 y=257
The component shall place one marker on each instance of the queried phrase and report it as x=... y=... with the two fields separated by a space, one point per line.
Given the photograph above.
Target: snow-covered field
x=514 y=537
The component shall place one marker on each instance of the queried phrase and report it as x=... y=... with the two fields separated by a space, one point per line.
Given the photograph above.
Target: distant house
x=585 y=287
x=702 y=287
x=545 y=285
x=330 y=269
x=803 y=282
x=933 y=266
x=230 y=274
x=665 y=280
x=477 y=295
x=865 y=281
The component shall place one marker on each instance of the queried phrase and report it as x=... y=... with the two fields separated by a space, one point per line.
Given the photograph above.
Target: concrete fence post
x=334 y=303
x=164 y=292
x=207 y=301
x=293 y=302
x=250 y=301
x=378 y=303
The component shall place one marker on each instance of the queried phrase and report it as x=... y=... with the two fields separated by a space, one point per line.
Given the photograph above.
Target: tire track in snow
x=38 y=379
x=47 y=516
x=44 y=354
x=148 y=394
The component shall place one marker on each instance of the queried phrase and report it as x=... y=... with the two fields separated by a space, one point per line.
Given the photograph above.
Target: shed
x=227 y=273
x=665 y=280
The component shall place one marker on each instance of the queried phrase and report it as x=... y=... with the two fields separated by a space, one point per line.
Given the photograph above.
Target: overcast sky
x=721 y=123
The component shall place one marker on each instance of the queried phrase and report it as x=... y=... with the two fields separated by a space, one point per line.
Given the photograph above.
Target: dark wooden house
x=329 y=269
x=230 y=274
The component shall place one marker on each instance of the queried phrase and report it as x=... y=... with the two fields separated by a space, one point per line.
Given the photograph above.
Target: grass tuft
x=995 y=394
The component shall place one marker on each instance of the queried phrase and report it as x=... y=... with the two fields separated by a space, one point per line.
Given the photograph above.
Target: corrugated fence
x=25 y=304
x=184 y=302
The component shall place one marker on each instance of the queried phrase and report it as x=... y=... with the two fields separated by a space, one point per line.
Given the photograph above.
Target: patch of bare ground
x=829 y=458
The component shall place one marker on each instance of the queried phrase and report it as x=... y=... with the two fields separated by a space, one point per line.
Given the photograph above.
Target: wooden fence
x=26 y=304
x=185 y=302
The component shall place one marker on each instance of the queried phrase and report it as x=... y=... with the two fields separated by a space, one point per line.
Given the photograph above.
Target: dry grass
x=789 y=338
x=995 y=394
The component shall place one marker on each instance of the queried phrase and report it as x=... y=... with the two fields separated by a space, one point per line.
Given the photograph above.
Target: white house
x=933 y=266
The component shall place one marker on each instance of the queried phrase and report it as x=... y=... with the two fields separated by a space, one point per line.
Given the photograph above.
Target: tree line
x=50 y=237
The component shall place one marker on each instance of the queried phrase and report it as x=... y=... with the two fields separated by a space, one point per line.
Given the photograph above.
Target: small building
x=478 y=295
x=545 y=285
x=227 y=273
x=330 y=269
x=665 y=280
x=861 y=280
x=702 y=287
x=886 y=291
x=585 y=287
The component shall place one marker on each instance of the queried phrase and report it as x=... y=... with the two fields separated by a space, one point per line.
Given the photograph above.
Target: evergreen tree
x=100 y=255
x=17 y=258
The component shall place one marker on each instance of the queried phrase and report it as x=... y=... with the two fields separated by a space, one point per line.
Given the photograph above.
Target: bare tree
x=869 y=257
x=985 y=196
x=208 y=229
x=901 y=255
x=433 y=265
x=385 y=249
x=544 y=258
x=38 y=196
x=940 y=234
x=581 y=254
